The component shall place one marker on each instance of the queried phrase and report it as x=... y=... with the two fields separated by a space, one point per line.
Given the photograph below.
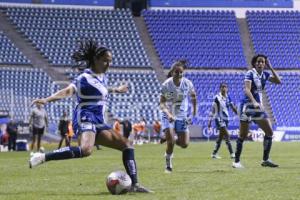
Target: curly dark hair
x=255 y=57
x=88 y=50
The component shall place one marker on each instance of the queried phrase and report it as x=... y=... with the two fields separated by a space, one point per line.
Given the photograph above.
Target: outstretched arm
x=61 y=94
x=120 y=89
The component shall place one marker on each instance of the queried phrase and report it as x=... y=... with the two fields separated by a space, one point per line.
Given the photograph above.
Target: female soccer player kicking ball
x=88 y=117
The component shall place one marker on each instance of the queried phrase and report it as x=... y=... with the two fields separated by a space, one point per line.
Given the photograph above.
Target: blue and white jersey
x=223 y=103
x=91 y=91
x=177 y=97
x=258 y=82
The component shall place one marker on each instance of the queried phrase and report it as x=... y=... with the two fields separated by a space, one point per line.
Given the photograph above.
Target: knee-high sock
x=169 y=160
x=64 y=153
x=229 y=147
x=239 y=148
x=217 y=146
x=130 y=165
x=267 y=147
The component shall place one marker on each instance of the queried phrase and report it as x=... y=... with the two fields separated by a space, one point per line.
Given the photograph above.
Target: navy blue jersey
x=92 y=94
x=223 y=103
x=258 y=82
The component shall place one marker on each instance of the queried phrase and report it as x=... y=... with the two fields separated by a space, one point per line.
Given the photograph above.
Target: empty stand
x=276 y=34
x=285 y=99
x=208 y=39
x=57 y=31
x=9 y=53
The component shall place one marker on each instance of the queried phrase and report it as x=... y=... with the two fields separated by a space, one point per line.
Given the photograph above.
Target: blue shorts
x=85 y=120
x=248 y=113
x=220 y=123
x=179 y=126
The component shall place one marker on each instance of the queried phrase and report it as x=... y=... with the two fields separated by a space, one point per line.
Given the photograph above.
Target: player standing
x=220 y=113
x=252 y=108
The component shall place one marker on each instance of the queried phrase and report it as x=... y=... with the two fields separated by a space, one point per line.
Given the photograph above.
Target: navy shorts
x=248 y=113
x=85 y=120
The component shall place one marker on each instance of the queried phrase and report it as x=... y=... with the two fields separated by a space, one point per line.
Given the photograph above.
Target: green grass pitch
x=196 y=175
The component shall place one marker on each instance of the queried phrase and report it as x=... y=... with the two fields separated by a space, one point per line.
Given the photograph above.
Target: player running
x=174 y=106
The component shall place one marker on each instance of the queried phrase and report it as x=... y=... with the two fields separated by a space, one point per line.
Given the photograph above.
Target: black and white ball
x=118 y=182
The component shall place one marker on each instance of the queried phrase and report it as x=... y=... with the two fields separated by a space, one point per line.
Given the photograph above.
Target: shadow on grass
x=221 y=171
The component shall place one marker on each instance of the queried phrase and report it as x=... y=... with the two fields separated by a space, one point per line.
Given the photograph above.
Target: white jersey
x=177 y=97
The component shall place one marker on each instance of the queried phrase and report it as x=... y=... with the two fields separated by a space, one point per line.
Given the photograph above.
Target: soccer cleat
x=36 y=159
x=268 y=163
x=168 y=170
x=237 y=165
x=232 y=156
x=139 y=189
x=215 y=156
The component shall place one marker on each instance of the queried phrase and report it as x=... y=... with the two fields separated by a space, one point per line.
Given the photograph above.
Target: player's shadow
x=221 y=171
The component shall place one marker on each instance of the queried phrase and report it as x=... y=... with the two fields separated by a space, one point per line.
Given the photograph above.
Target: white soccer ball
x=118 y=182
x=42 y=149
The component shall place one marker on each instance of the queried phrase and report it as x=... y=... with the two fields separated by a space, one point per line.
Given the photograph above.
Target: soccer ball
x=118 y=182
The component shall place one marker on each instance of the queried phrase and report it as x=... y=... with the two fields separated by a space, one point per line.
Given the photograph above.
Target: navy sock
x=239 y=148
x=229 y=147
x=267 y=147
x=130 y=165
x=64 y=153
x=217 y=146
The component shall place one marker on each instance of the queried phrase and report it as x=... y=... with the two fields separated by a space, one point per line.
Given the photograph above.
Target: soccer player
x=63 y=130
x=174 y=106
x=88 y=117
x=220 y=113
x=252 y=108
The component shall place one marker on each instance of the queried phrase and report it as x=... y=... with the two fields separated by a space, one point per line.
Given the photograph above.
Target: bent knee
x=86 y=151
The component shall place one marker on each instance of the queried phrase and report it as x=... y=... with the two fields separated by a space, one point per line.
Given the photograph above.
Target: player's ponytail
x=88 y=50
x=182 y=63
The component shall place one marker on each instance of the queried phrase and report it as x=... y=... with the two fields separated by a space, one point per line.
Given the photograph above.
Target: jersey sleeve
x=267 y=75
x=249 y=76
x=75 y=83
x=216 y=104
x=191 y=87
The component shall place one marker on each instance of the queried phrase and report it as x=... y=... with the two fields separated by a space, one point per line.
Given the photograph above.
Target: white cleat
x=232 y=156
x=237 y=165
x=215 y=156
x=36 y=159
